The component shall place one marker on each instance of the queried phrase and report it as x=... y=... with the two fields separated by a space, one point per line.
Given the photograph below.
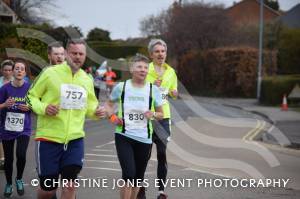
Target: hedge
x=9 y=39
x=224 y=72
x=273 y=88
x=289 y=52
x=115 y=51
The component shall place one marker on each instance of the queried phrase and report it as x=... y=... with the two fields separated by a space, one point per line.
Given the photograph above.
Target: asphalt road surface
x=210 y=155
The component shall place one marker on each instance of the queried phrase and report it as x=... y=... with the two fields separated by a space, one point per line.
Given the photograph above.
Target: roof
x=5 y=10
x=292 y=17
x=258 y=2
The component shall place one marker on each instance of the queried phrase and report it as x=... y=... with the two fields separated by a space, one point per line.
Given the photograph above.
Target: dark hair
x=75 y=41
x=7 y=62
x=56 y=44
x=22 y=62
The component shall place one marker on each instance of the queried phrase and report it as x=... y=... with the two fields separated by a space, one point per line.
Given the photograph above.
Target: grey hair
x=139 y=57
x=75 y=41
x=154 y=42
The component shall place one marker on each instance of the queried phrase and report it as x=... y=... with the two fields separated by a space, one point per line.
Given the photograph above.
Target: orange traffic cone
x=284 y=105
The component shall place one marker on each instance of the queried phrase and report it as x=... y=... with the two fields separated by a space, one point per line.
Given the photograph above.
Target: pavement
x=280 y=122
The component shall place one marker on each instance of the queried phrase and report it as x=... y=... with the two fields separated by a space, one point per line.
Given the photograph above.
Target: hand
x=116 y=120
x=101 y=112
x=9 y=102
x=23 y=107
x=174 y=93
x=149 y=114
x=157 y=82
x=52 y=110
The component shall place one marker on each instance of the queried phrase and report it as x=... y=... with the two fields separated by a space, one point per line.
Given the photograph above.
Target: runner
x=7 y=76
x=139 y=102
x=109 y=77
x=163 y=76
x=62 y=96
x=15 y=126
x=89 y=72
x=98 y=80
x=6 y=71
x=56 y=53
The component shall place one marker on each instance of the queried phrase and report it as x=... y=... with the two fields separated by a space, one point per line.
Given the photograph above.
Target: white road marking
x=109 y=143
x=103 y=168
x=100 y=155
x=207 y=172
x=105 y=161
x=103 y=150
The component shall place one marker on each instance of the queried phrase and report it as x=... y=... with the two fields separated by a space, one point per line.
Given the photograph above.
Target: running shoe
x=162 y=196
x=8 y=190
x=20 y=187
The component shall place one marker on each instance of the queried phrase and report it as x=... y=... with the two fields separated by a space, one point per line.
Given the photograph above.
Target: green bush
x=273 y=88
x=115 y=51
x=289 y=51
x=9 y=39
x=10 y=30
x=111 y=50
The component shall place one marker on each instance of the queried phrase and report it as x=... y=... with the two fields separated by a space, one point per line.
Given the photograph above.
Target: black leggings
x=8 y=147
x=133 y=157
x=160 y=135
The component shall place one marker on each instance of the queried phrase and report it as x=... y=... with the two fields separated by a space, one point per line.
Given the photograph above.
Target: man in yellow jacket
x=62 y=96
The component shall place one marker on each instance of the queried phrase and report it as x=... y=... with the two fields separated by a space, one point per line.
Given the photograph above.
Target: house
x=247 y=12
x=291 y=18
x=7 y=15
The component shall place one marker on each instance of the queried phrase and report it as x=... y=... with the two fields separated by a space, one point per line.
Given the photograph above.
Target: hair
x=154 y=42
x=22 y=62
x=56 y=44
x=139 y=57
x=75 y=41
x=7 y=62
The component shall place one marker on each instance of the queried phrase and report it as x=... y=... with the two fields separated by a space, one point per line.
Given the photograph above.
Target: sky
x=120 y=17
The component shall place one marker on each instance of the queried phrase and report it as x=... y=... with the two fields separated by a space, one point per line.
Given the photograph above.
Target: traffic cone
x=284 y=105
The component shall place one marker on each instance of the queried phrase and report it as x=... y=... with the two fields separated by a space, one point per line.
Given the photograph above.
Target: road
x=209 y=142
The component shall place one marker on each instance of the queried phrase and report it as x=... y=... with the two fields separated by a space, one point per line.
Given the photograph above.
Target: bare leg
x=134 y=192
x=1 y=152
x=41 y=194
x=125 y=192
x=68 y=192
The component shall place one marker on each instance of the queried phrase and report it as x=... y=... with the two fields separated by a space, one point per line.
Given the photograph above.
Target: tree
x=30 y=11
x=63 y=34
x=154 y=25
x=193 y=26
x=272 y=4
x=98 y=34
